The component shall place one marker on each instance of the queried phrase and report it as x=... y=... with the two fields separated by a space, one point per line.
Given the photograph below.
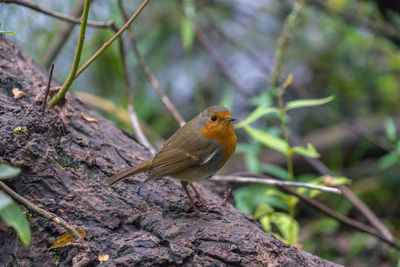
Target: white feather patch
x=208 y=158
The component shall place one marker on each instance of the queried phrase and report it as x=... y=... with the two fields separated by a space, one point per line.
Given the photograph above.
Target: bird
x=195 y=152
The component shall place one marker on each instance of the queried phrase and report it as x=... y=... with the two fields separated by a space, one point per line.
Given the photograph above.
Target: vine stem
x=73 y=74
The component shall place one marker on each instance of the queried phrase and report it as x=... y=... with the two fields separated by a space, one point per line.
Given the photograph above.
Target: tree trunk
x=64 y=167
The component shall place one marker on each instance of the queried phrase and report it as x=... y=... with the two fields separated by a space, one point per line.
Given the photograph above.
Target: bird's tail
x=144 y=166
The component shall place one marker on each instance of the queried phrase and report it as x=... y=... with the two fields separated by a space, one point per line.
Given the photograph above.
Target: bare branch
x=129 y=94
x=343 y=219
x=46 y=214
x=54 y=14
x=364 y=209
x=247 y=179
x=283 y=41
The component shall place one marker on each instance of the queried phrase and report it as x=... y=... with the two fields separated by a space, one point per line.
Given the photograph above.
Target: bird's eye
x=213 y=118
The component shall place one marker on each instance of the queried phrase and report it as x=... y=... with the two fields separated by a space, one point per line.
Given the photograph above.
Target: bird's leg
x=195 y=210
x=197 y=195
x=209 y=206
x=226 y=196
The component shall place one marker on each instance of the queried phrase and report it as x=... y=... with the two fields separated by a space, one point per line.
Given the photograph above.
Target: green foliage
x=288 y=228
x=302 y=103
x=7 y=172
x=11 y=214
x=262 y=208
x=262 y=110
x=187 y=27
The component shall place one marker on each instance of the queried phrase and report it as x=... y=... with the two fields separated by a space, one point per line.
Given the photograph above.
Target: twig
x=72 y=75
x=131 y=109
x=47 y=88
x=61 y=36
x=283 y=41
x=226 y=196
x=364 y=209
x=60 y=16
x=343 y=219
x=46 y=214
x=247 y=179
x=152 y=79
x=109 y=42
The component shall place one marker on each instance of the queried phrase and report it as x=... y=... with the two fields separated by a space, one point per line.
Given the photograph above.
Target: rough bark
x=64 y=168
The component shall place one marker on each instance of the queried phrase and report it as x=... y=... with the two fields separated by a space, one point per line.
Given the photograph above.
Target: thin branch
x=47 y=88
x=343 y=219
x=72 y=75
x=283 y=41
x=60 y=16
x=152 y=79
x=366 y=211
x=261 y=180
x=46 y=214
x=109 y=42
x=131 y=109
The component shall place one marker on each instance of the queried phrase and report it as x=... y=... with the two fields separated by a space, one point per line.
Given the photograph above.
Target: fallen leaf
x=89 y=119
x=17 y=93
x=68 y=238
x=103 y=258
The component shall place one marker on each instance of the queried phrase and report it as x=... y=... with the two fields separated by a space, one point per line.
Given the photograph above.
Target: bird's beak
x=230 y=119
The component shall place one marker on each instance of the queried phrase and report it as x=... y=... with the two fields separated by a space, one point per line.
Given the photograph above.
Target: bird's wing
x=171 y=161
x=185 y=149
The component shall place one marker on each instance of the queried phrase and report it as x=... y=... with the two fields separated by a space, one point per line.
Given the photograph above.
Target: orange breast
x=224 y=134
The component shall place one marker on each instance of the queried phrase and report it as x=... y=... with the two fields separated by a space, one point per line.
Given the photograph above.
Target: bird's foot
x=196 y=213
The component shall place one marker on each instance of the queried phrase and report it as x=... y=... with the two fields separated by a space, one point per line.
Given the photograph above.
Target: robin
x=195 y=152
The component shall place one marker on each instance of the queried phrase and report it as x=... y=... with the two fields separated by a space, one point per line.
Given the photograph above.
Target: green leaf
x=275 y=171
x=13 y=216
x=310 y=151
x=248 y=198
x=302 y=103
x=256 y=114
x=390 y=128
x=7 y=32
x=268 y=140
x=4 y=201
x=284 y=198
x=187 y=33
x=326 y=225
x=7 y=172
x=287 y=226
x=388 y=160
x=187 y=27
x=262 y=210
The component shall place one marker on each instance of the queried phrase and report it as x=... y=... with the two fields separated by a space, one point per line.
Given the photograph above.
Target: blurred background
x=205 y=53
